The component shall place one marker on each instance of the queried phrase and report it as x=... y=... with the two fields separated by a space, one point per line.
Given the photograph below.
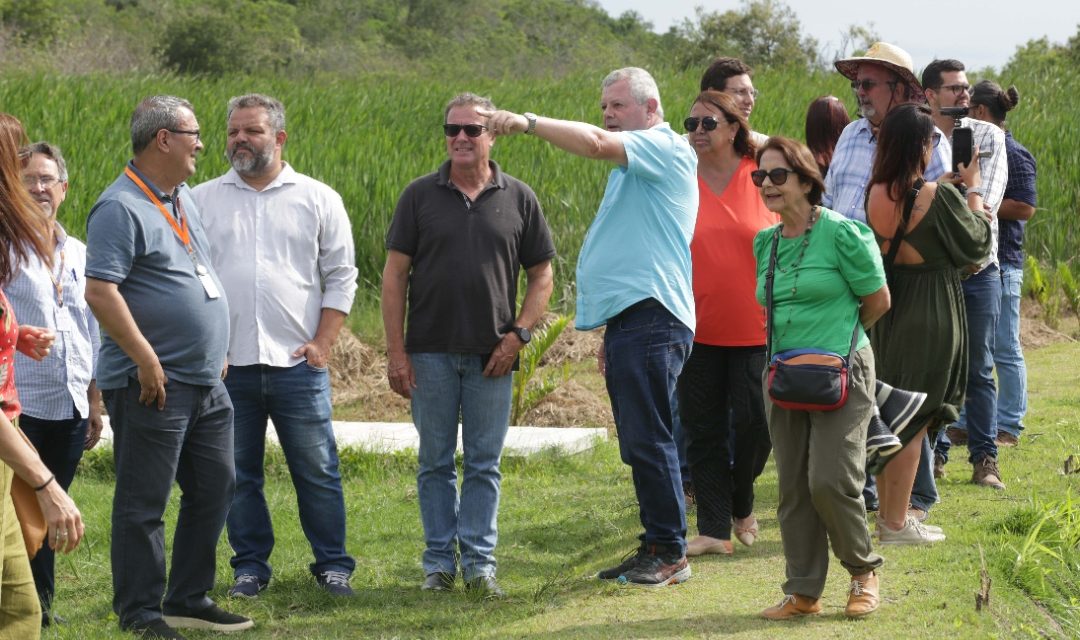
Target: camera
x=955 y=112
x=963 y=142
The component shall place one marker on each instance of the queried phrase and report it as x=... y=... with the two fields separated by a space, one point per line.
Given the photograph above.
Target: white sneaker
x=913 y=532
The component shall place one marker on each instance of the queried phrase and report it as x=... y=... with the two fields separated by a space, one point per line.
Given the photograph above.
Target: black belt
x=640 y=305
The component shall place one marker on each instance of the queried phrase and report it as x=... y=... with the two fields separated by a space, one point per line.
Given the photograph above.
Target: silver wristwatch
x=531 y=117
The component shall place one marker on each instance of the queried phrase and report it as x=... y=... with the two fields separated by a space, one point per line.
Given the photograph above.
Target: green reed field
x=369 y=138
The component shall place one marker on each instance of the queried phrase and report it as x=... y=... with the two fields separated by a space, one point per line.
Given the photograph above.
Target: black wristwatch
x=522 y=333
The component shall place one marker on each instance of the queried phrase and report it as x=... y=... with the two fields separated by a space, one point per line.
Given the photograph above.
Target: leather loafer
x=486 y=587
x=438 y=581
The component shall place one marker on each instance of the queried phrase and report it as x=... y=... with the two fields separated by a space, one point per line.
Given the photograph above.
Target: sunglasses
x=708 y=123
x=777 y=176
x=868 y=85
x=471 y=130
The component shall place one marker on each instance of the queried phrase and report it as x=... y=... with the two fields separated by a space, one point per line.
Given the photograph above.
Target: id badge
x=208 y=284
x=62 y=319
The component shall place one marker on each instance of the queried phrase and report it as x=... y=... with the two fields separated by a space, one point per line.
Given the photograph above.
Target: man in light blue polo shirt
x=634 y=276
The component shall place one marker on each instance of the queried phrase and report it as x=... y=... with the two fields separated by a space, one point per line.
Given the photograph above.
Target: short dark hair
x=743 y=143
x=931 y=75
x=152 y=115
x=826 y=118
x=50 y=151
x=990 y=95
x=798 y=156
x=901 y=151
x=715 y=77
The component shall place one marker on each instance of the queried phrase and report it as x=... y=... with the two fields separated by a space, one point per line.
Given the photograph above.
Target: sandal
x=747 y=533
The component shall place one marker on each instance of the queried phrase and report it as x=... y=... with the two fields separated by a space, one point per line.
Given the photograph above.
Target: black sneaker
x=156 y=628
x=438 y=581
x=247 y=586
x=629 y=561
x=658 y=568
x=879 y=438
x=336 y=583
x=898 y=406
x=212 y=618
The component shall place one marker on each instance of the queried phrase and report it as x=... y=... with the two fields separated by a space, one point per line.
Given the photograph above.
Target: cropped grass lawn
x=563 y=517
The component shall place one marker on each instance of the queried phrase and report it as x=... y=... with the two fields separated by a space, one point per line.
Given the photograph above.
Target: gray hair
x=50 y=151
x=152 y=115
x=275 y=111
x=468 y=100
x=642 y=85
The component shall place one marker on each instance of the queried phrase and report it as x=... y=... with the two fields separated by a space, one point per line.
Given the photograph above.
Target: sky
x=979 y=34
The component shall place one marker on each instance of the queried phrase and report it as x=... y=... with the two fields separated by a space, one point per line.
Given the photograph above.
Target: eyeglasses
x=471 y=130
x=45 y=182
x=777 y=176
x=708 y=123
x=868 y=85
x=196 y=133
x=957 y=89
x=743 y=93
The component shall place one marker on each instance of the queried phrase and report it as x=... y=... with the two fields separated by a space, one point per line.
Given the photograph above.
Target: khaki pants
x=20 y=611
x=820 y=462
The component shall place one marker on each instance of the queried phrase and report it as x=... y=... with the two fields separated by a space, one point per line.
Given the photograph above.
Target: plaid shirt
x=52 y=388
x=995 y=173
x=853 y=162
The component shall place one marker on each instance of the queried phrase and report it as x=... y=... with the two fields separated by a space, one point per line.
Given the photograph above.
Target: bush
x=230 y=36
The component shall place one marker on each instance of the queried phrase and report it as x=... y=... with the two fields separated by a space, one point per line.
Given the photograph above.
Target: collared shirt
x=283 y=255
x=1021 y=187
x=994 y=171
x=49 y=389
x=638 y=246
x=131 y=244
x=853 y=162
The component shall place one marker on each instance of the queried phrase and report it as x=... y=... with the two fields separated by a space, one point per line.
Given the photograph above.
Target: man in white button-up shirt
x=282 y=246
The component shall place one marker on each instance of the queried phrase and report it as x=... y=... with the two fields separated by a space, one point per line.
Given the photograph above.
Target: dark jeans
x=645 y=348
x=982 y=297
x=720 y=393
x=191 y=441
x=297 y=399
x=924 y=493
x=60 y=444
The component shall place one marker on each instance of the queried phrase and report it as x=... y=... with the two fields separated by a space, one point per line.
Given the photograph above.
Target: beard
x=867 y=111
x=255 y=162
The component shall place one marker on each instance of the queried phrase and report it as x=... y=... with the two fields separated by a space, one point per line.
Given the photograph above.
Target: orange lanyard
x=181 y=230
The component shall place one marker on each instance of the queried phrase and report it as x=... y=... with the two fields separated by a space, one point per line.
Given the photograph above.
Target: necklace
x=794 y=266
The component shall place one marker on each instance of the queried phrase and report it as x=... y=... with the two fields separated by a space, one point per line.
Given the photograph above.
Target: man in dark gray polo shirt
x=455 y=246
x=151 y=286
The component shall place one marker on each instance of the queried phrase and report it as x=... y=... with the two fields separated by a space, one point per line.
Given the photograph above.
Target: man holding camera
x=948 y=94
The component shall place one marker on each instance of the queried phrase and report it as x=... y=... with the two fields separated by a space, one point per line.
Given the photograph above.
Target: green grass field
x=564 y=517
x=368 y=138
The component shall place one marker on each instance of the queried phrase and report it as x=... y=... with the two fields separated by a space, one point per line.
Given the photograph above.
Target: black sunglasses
x=708 y=123
x=777 y=176
x=471 y=130
x=868 y=85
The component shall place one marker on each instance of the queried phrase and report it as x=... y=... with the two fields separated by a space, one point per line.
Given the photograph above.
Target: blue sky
x=980 y=34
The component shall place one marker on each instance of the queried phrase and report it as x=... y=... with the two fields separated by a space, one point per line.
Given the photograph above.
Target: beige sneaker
x=986 y=474
x=862 y=596
x=701 y=545
x=879 y=523
x=913 y=532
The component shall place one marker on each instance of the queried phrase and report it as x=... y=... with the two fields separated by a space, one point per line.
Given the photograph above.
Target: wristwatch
x=522 y=333
x=531 y=117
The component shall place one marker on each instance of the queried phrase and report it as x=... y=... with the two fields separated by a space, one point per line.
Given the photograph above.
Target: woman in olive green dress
x=921 y=343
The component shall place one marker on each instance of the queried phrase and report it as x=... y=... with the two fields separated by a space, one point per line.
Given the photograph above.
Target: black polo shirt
x=466 y=257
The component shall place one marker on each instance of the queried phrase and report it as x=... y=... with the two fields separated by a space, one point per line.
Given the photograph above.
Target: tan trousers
x=820 y=466
x=20 y=611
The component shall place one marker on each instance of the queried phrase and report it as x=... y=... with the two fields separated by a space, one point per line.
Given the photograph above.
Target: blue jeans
x=1008 y=356
x=189 y=441
x=297 y=399
x=982 y=298
x=449 y=385
x=924 y=493
x=60 y=444
x=645 y=348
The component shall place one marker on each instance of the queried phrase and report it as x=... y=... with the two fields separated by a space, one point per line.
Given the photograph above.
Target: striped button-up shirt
x=52 y=388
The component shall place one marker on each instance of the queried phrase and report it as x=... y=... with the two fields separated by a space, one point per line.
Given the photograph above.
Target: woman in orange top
x=720 y=386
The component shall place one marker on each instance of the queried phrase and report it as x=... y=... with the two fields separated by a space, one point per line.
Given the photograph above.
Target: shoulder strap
x=901 y=228
x=769 y=273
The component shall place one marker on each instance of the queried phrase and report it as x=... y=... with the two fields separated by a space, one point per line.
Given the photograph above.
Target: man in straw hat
x=883 y=78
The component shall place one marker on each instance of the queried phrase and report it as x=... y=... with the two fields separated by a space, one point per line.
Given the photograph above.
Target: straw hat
x=887 y=55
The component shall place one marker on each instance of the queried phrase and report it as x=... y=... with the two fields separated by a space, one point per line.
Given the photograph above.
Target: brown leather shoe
x=793 y=606
x=863 y=596
x=957 y=436
x=939 y=467
x=701 y=545
x=1006 y=439
x=986 y=474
